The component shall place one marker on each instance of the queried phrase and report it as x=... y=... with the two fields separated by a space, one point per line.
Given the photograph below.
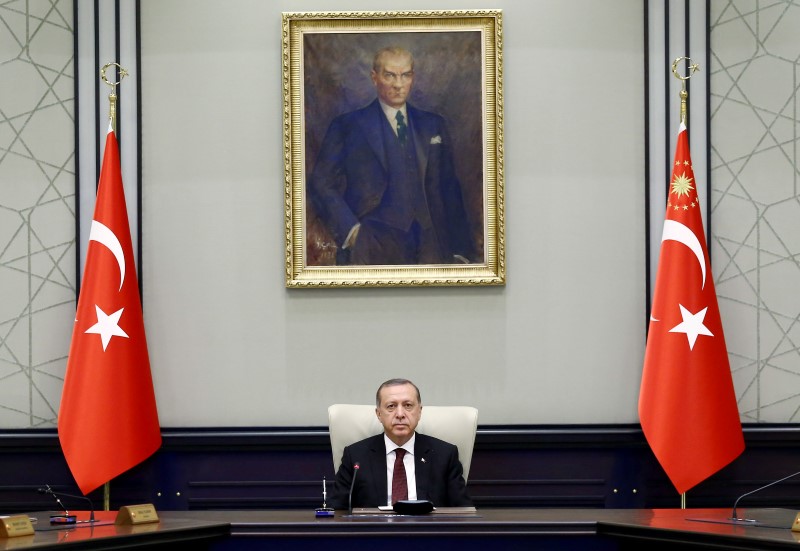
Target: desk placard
x=136 y=514
x=796 y=523
x=16 y=525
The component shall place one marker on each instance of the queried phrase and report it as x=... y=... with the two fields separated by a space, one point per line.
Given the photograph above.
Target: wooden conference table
x=590 y=529
x=168 y=533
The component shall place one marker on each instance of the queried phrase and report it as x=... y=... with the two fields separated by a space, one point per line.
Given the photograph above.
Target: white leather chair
x=349 y=423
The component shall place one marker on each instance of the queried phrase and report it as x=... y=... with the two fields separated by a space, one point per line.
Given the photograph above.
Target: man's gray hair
x=395 y=382
x=377 y=61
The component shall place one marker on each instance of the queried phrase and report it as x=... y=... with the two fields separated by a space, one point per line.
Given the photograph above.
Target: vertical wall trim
x=647 y=145
x=676 y=28
x=707 y=144
x=656 y=51
x=138 y=163
x=105 y=33
x=87 y=156
x=77 y=136
x=128 y=117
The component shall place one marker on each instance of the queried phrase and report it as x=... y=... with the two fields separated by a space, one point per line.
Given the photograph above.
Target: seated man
x=425 y=468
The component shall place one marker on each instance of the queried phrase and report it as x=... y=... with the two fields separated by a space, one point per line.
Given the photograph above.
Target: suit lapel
x=371 y=121
x=422 y=452
x=422 y=137
x=377 y=468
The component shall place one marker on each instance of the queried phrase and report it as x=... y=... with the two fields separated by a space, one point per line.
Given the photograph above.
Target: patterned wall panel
x=755 y=127
x=37 y=208
x=755 y=226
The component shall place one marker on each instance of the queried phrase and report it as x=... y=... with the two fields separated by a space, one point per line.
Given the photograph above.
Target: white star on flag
x=692 y=325
x=107 y=326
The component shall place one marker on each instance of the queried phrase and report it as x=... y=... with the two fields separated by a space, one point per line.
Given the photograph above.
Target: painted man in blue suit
x=384 y=182
x=432 y=468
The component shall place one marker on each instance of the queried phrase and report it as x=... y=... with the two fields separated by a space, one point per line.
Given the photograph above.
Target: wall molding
x=579 y=466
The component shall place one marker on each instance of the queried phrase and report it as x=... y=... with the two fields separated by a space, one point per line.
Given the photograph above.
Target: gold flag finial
x=112 y=97
x=693 y=67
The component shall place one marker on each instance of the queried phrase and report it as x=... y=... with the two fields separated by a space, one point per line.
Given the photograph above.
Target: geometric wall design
x=755 y=180
x=754 y=76
x=37 y=208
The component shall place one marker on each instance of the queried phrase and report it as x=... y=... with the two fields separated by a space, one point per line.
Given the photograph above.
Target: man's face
x=394 y=79
x=399 y=412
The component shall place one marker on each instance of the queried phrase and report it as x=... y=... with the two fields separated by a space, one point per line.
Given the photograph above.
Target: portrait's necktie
x=399 y=480
x=402 y=129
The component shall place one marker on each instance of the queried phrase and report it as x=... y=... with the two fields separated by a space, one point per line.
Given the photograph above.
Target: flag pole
x=112 y=116
x=684 y=95
x=687 y=401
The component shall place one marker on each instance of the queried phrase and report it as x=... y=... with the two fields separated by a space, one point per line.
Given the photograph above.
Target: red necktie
x=399 y=481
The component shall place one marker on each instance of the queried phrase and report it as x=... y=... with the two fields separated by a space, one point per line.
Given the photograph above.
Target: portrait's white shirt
x=408 y=462
x=391 y=114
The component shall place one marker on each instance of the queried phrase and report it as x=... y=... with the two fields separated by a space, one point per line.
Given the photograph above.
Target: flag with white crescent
x=108 y=421
x=687 y=401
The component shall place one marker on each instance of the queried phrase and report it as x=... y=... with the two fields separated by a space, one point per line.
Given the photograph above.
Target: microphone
x=356 y=468
x=48 y=490
x=735 y=518
x=324 y=511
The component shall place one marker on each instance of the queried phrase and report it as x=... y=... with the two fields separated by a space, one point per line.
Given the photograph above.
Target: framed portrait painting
x=393 y=148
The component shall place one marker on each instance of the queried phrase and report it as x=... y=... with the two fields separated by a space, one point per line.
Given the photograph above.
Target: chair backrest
x=349 y=423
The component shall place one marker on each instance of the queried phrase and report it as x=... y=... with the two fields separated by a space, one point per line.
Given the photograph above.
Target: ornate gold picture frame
x=393 y=149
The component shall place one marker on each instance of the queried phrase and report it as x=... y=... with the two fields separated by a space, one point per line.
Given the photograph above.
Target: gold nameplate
x=796 y=523
x=136 y=514
x=17 y=525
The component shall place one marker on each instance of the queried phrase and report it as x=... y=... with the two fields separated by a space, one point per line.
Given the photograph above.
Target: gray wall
x=562 y=342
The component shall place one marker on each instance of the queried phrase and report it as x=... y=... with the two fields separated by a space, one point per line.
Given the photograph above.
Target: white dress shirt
x=408 y=463
x=391 y=115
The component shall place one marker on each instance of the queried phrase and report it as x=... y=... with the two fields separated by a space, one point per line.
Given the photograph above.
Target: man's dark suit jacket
x=438 y=472
x=350 y=175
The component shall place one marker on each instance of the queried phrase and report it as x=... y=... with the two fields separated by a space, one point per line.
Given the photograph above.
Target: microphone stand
x=734 y=516
x=324 y=511
x=67 y=518
x=48 y=490
x=356 y=468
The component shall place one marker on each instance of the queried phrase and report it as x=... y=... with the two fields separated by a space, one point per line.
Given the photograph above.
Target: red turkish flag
x=108 y=421
x=687 y=403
